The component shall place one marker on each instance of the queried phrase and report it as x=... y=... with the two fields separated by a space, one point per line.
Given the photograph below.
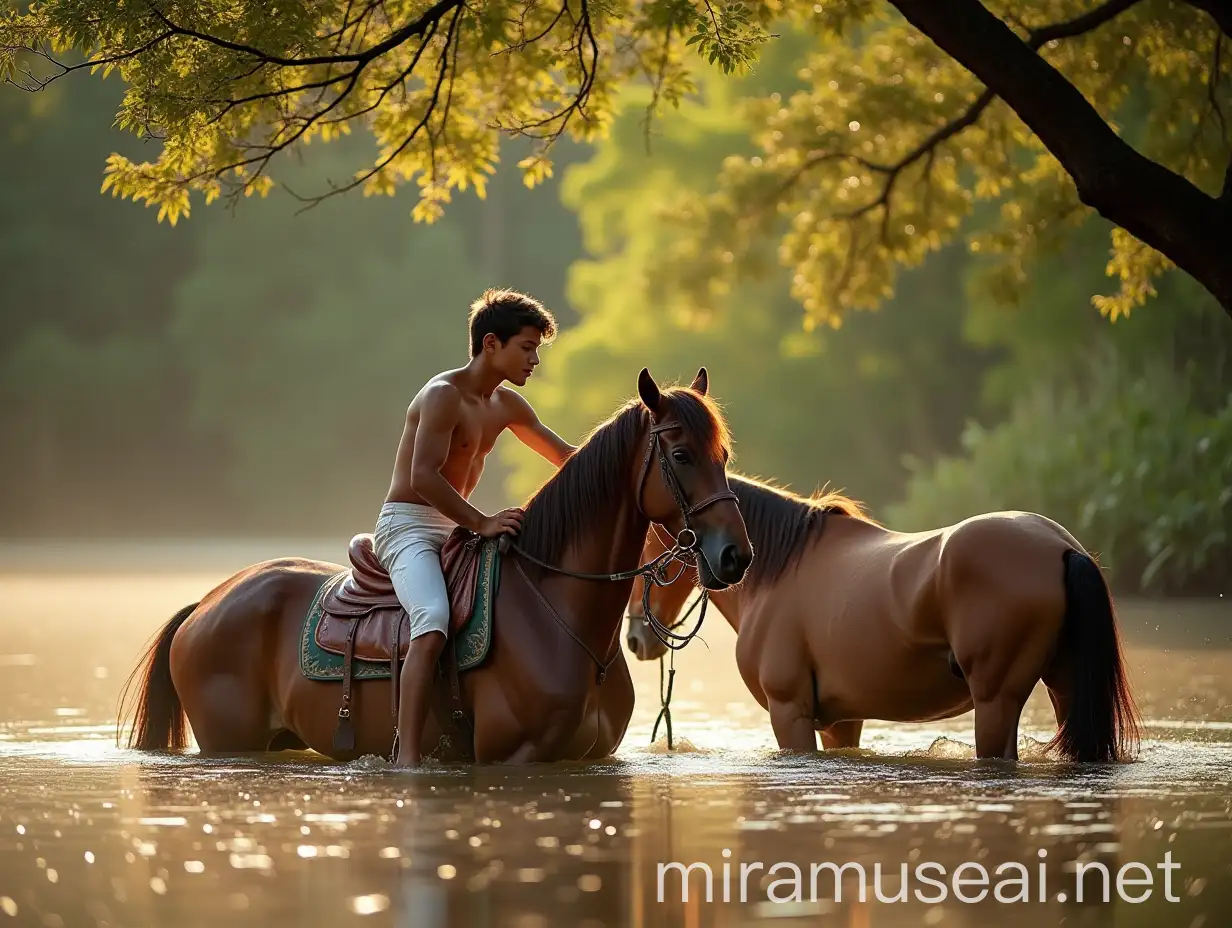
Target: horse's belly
x=914 y=685
x=311 y=709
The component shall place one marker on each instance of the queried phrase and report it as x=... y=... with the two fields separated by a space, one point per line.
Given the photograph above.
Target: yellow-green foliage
x=844 y=178
x=229 y=84
x=847 y=180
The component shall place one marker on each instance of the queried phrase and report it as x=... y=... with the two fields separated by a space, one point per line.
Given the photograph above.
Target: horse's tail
x=1101 y=722
x=160 y=724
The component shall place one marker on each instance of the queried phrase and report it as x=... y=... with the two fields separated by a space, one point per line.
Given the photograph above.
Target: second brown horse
x=841 y=620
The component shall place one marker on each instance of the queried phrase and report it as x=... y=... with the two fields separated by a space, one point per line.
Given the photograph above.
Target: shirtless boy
x=451 y=426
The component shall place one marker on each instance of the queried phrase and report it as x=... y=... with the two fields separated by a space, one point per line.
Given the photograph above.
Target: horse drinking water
x=549 y=682
x=841 y=620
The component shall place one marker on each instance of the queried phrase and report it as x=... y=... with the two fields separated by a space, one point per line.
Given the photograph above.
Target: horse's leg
x=526 y=753
x=792 y=724
x=230 y=714
x=777 y=672
x=1003 y=637
x=499 y=736
x=1000 y=686
x=525 y=725
x=221 y=667
x=616 y=698
x=1001 y=681
x=791 y=702
x=996 y=726
x=224 y=694
x=842 y=735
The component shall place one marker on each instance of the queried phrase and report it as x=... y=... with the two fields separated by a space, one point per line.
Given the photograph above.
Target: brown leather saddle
x=363 y=619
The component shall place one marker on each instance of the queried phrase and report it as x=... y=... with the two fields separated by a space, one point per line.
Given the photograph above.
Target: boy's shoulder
x=439 y=395
x=512 y=400
x=440 y=386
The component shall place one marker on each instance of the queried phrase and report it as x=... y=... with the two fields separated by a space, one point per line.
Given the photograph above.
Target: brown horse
x=840 y=620
x=230 y=664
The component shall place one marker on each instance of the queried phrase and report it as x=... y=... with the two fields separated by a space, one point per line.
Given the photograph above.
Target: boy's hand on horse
x=505 y=522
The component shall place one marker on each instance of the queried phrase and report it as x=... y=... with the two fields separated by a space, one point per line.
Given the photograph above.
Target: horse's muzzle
x=732 y=564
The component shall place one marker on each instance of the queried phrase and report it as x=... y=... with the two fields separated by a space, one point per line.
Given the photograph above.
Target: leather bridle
x=681 y=550
x=673 y=484
x=685 y=549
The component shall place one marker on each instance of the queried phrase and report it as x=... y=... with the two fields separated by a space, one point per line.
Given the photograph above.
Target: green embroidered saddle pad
x=471 y=641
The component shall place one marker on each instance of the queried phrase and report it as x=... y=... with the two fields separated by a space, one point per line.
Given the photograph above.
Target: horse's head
x=665 y=602
x=682 y=480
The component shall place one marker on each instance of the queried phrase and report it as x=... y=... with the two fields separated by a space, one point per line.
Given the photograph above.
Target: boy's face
x=518 y=357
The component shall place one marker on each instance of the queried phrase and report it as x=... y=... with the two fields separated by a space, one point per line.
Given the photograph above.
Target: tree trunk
x=1161 y=208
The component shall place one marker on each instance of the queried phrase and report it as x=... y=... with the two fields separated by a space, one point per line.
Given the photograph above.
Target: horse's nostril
x=729 y=560
x=633 y=644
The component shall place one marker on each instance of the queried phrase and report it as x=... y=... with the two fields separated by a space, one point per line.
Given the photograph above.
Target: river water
x=91 y=835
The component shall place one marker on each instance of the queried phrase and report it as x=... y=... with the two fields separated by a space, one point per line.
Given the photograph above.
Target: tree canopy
x=946 y=403
x=910 y=113
x=246 y=375
x=895 y=141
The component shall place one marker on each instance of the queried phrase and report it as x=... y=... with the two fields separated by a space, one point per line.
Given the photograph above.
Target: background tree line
x=247 y=374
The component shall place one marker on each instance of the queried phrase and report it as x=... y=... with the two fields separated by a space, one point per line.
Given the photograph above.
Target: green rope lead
x=665 y=698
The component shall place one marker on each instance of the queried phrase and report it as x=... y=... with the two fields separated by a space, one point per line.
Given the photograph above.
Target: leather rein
x=685 y=550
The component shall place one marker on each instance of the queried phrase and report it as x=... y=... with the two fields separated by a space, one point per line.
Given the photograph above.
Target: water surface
x=94 y=835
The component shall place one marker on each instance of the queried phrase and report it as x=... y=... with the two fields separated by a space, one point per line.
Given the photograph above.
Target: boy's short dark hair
x=505 y=313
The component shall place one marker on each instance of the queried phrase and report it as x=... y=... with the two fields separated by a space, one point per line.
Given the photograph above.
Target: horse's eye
x=680 y=456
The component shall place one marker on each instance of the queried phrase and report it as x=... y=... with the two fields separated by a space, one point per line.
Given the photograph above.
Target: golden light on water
x=292 y=840
x=369 y=905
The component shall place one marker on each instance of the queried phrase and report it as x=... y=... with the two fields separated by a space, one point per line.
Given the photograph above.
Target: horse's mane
x=782 y=524
x=598 y=472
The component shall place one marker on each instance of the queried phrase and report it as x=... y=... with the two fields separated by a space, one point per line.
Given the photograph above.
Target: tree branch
x=655 y=79
x=425 y=23
x=524 y=42
x=1036 y=39
x=1162 y=209
x=92 y=63
x=1079 y=25
x=1212 y=84
x=229 y=105
x=583 y=36
x=398 y=81
x=288 y=92
x=443 y=69
x=432 y=15
x=267 y=152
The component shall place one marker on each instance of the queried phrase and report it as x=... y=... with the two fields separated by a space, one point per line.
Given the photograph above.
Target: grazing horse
x=840 y=620
x=553 y=684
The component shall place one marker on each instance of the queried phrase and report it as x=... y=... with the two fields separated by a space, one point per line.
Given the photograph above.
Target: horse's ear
x=701 y=382
x=648 y=390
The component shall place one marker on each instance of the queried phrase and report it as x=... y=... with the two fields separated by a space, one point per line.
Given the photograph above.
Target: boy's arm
x=437 y=419
x=525 y=424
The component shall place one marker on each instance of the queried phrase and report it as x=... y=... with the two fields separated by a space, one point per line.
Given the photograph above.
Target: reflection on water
x=92 y=835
